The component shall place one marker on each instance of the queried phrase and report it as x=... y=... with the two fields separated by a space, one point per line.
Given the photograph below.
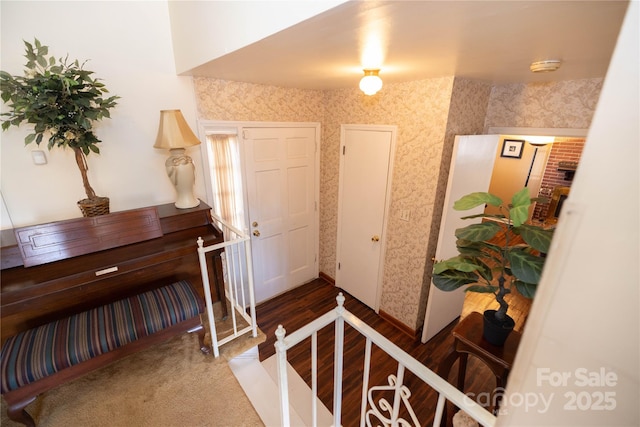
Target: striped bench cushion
x=47 y=349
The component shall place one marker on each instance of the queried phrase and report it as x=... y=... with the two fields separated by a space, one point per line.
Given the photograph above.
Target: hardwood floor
x=305 y=303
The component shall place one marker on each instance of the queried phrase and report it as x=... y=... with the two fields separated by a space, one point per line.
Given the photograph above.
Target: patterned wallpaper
x=469 y=100
x=420 y=111
x=237 y=101
x=567 y=104
x=428 y=113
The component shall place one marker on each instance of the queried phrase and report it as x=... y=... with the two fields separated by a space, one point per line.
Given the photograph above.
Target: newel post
x=338 y=356
x=281 y=352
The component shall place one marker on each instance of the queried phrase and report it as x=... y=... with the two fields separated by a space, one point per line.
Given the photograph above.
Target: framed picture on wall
x=512 y=148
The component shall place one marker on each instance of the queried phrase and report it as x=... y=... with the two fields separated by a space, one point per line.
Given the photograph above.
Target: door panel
x=280 y=168
x=471 y=169
x=363 y=201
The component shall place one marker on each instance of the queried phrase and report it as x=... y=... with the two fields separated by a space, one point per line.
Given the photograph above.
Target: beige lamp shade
x=174 y=132
x=175 y=135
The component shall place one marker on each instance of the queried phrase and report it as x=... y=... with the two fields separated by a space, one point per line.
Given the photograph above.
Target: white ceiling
x=486 y=40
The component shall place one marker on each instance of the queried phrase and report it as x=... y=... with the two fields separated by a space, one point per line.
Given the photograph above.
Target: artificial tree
x=62 y=101
x=488 y=265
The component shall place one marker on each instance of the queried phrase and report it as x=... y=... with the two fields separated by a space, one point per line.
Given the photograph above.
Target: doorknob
x=375 y=238
x=256 y=233
x=254 y=223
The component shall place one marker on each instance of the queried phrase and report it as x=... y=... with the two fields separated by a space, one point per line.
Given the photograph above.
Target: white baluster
x=281 y=352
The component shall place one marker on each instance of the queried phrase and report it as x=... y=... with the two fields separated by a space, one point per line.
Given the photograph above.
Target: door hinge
x=245 y=134
x=338 y=266
x=316 y=206
x=344 y=148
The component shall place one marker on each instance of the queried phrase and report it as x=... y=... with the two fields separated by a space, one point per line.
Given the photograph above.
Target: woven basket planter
x=94 y=207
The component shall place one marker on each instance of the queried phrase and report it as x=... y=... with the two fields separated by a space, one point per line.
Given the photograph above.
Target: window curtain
x=227 y=189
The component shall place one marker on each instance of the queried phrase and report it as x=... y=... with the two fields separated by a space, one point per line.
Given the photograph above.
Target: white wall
x=128 y=45
x=205 y=30
x=586 y=313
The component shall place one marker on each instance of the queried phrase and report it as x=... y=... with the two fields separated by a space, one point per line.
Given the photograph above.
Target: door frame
x=559 y=132
x=385 y=220
x=500 y=132
x=212 y=127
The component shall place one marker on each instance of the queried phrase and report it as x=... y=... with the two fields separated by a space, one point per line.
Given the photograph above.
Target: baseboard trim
x=327 y=278
x=386 y=316
x=398 y=324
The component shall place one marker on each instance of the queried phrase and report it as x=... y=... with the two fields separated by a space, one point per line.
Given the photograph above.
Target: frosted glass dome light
x=371 y=83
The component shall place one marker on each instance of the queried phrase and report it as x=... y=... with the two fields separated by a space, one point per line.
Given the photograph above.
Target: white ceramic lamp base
x=181 y=172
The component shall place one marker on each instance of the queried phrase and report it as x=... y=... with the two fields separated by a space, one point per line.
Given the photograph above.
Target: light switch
x=38 y=157
x=405 y=214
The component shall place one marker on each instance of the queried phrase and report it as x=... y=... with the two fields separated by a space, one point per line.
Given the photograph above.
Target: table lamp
x=175 y=135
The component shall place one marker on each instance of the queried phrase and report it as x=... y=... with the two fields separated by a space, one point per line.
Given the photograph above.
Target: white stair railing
x=384 y=412
x=238 y=282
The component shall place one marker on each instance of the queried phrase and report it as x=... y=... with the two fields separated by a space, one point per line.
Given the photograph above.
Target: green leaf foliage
x=525 y=266
x=483 y=215
x=527 y=290
x=455 y=263
x=519 y=211
x=478 y=232
x=482 y=289
x=491 y=258
x=484 y=271
x=450 y=280
x=481 y=249
x=472 y=200
x=537 y=237
x=58 y=97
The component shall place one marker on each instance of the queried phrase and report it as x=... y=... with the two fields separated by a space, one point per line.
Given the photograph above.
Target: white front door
x=364 y=192
x=281 y=186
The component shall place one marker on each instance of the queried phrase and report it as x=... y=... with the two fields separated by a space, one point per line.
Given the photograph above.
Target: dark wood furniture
x=468 y=340
x=93 y=339
x=97 y=263
x=53 y=271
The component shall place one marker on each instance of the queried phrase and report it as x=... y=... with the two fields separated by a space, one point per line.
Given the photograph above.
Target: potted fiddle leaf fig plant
x=62 y=101
x=487 y=264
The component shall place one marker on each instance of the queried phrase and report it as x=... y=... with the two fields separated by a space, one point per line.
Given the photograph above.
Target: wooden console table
x=468 y=340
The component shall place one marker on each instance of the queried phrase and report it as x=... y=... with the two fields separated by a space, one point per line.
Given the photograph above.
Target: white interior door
x=281 y=185
x=471 y=169
x=364 y=193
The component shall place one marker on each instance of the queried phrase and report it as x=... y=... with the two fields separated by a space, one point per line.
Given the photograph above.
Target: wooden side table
x=468 y=340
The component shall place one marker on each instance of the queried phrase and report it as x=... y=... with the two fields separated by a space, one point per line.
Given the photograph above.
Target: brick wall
x=562 y=150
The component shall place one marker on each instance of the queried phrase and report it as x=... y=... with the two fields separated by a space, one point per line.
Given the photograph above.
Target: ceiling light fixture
x=539 y=141
x=545 y=66
x=371 y=83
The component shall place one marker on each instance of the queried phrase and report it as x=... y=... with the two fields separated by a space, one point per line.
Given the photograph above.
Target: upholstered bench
x=46 y=356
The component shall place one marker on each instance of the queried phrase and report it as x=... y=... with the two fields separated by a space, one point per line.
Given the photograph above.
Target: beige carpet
x=171 y=384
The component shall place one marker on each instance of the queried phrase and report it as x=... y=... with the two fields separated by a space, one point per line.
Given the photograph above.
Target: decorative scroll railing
x=382 y=411
x=238 y=282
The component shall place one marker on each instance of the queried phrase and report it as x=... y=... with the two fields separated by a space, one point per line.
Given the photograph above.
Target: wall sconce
x=175 y=135
x=371 y=83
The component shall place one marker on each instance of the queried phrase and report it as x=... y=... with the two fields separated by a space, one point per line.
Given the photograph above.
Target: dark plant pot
x=495 y=331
